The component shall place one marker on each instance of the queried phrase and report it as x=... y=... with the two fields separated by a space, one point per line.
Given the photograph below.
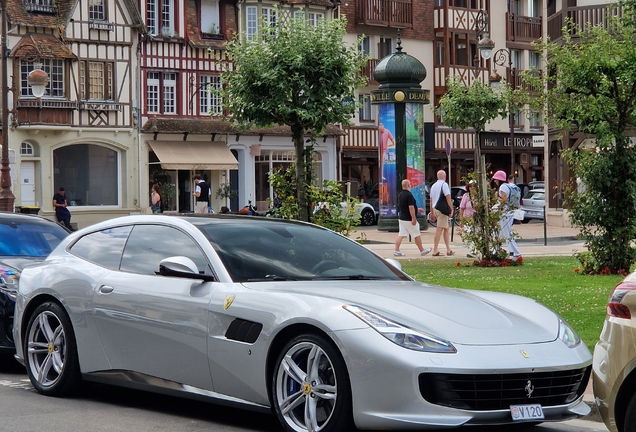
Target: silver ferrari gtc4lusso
x=289 y=317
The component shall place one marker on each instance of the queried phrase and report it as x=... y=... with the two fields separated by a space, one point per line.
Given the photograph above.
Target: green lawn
x=580 y=300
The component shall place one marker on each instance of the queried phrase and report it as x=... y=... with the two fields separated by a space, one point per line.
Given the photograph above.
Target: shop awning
x=194 y=155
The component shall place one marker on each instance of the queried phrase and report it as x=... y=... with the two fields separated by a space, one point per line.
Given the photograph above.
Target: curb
x=549 y=239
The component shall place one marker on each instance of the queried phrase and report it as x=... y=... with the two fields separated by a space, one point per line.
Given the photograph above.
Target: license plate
x=526 y=412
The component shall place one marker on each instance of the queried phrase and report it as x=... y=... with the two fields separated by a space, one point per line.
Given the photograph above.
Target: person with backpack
x=509 y=198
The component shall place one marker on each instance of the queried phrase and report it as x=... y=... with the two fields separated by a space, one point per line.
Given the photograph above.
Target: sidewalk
x=536 y=240
x=557 y=241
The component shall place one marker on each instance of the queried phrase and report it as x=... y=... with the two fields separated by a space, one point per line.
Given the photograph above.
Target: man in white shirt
x=440 y=188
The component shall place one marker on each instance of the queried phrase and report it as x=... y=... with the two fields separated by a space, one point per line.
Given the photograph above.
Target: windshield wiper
x=350 y=277
x=270 y=278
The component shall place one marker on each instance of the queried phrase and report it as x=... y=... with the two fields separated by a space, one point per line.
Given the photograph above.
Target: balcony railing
x=523 y=28
x=580 y=16
x=360 y=138
x=386 y=13
x=367 y=71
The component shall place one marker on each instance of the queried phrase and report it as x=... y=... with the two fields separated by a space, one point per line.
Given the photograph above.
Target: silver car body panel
x=533 y=204
x=168 y=334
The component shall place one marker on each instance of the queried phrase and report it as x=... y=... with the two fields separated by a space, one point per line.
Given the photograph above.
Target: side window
x=149 y=244
x=103 y=248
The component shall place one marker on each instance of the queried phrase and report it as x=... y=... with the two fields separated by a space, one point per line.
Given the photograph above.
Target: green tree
x=473 y=106
x=297 y=75
x=592 y=89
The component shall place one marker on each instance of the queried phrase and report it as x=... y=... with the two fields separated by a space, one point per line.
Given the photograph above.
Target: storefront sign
x=497 y=140
x=411 y=95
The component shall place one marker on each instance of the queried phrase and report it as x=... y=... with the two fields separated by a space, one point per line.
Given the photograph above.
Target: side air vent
x=243 y=331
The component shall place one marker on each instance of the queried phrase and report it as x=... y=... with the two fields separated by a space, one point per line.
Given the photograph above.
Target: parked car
x=288 y=316
x=24 y=239
x=532 y=205
x=537 y=185
x=614 y=363
x=368 y=213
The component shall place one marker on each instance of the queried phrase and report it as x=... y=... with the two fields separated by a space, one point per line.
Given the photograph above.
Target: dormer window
x=210 y=22
x=97 y=10
x=45 y=6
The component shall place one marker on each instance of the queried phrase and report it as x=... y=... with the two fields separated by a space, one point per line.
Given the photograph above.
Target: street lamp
x=485 y=44
x=502 y=57
x=38 y=80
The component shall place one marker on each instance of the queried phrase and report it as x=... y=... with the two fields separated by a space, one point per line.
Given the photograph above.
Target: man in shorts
x=440 y=188
x=407 y=218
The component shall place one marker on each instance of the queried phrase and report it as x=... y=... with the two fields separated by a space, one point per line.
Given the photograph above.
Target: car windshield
x=270 y=250
x=26 y=238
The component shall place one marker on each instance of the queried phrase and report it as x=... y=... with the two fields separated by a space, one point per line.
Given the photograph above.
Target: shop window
x=88 y=172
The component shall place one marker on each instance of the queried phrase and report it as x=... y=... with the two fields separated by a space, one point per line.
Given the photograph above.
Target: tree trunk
x=301 y=192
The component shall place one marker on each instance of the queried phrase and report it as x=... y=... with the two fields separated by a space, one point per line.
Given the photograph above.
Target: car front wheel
x=310 y=387
x=50 y=351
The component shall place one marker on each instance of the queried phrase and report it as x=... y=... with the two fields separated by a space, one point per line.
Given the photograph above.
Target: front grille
x=498 y=391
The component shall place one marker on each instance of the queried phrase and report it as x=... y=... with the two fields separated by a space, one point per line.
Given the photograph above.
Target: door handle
x=106 y=289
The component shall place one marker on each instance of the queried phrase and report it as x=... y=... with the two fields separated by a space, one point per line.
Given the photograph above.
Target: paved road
x=100 y=408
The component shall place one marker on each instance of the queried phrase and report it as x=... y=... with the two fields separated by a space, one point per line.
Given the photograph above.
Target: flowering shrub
x=494 y=263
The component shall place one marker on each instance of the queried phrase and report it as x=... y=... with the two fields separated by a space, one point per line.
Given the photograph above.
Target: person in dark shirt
x=62 y=214
x=407 y=219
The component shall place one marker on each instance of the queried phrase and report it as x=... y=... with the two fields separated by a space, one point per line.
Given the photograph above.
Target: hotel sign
x=501 y=141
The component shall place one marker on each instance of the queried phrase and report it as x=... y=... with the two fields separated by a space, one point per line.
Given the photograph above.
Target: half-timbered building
x=183 y=129
x=82 y=134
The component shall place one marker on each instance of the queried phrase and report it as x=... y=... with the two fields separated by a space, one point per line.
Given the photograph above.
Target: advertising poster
x=415 y=151
x=386 y=158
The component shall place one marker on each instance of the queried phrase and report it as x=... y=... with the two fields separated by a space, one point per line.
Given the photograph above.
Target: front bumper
x=7 y=308
x=386 y=391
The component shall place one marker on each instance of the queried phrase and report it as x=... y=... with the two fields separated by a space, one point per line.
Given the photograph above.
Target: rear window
x=535 y=195
x=29 y=238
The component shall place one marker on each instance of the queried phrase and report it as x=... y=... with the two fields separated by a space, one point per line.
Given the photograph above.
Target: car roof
x=10 y=216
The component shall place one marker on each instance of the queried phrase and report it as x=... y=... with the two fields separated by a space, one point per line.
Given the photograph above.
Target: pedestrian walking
x=201 y=193
x=508 y=195
x=440 y=190
x=466 y=210
x=407 y=220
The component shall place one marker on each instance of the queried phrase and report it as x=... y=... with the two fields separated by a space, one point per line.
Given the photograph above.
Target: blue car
x=24 y=239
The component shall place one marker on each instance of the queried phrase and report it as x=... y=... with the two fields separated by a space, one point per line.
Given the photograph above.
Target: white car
x=277 y=315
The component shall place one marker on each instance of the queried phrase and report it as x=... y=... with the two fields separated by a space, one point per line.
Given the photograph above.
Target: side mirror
x=180 y=266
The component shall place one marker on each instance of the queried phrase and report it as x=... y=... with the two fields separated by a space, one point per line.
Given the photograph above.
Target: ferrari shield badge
x=523 y=353
x=228 y=301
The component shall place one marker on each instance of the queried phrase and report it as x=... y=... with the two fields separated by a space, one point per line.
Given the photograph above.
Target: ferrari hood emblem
x=525 y=354
x=228 y=301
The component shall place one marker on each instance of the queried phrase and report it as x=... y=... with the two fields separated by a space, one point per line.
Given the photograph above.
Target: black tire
x=630 y=416
x=50 y=351
x=292 y=377
x=367 y=217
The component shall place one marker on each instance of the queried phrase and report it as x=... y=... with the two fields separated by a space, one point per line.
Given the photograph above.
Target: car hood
x=18 y=263
x=459 y=316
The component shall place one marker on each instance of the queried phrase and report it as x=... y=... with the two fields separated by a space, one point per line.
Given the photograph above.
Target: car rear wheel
x=630 y=416
x=310 y=387
x=50 y=351
x=367 y=217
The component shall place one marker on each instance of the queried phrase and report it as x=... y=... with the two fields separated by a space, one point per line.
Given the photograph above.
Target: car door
x=152 y=324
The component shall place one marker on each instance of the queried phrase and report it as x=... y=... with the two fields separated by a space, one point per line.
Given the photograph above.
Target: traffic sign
x=448 y=147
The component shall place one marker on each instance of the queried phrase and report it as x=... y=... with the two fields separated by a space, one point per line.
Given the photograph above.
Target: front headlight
x=567 y=334
x=9 y=276
x=401 y=335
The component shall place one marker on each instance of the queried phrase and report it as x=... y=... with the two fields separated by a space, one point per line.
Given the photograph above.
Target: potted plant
x=225 y=192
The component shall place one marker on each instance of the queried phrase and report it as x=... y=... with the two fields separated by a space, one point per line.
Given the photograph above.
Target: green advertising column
x=400 y=100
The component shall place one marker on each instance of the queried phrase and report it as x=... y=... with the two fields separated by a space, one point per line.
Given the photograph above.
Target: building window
x=461 y=50
x=439 y=52
x=210 y=103
x=26 y=149
x=315 y=17
x=535 y=120
x=252 y=22
x=161 y=102
x=270 y=160
x=159 y=15
x=210 y=22
x=88 y=172
x=364 y=113
x=53 y=67
x=535 y=61
x=384 y=47
x=96 y=10
x=269 y=16
x=96 y=80
x=365 y=46
x=518 y=119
